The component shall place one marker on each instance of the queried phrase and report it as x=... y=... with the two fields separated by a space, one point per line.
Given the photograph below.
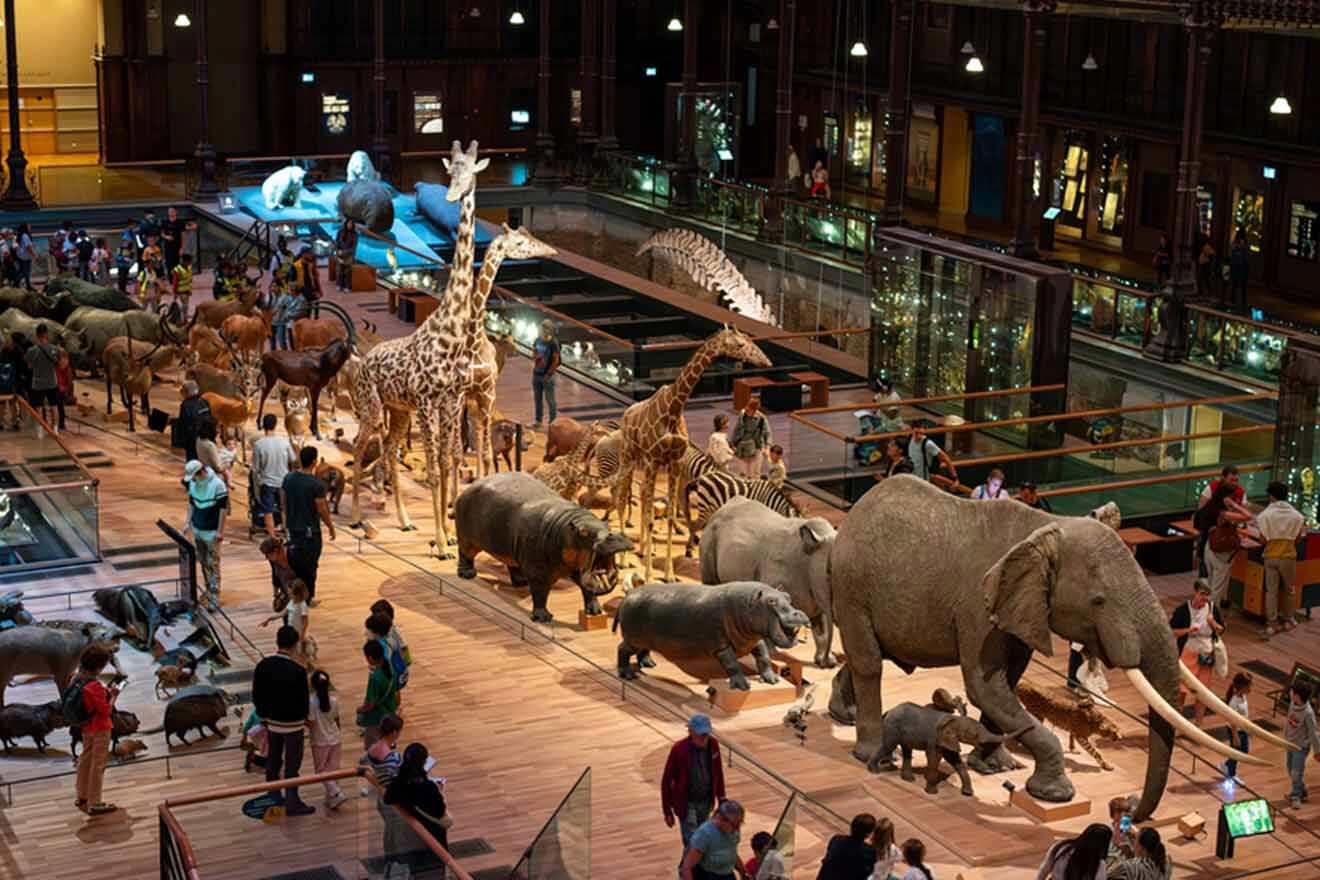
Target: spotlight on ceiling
x=968 y=48
x=182 y=20
x=772 y=24
x=474 y=12
x=1281 y=107
x=858 y=50
x=1090 y=63
x=974 y=65
x=675 y=24
x=517 y=17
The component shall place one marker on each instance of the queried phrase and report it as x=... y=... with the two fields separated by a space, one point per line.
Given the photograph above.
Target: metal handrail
x=1149 y=481
x=938 y=398
x=1116 y=444
x=54 y=435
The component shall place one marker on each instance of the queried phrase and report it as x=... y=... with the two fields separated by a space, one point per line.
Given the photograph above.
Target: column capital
x=1203 y=15
x=1039 y=7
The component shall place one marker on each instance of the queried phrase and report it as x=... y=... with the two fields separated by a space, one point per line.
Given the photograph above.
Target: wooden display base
x=732 y=701
x=589 y=622
x=1048 y=812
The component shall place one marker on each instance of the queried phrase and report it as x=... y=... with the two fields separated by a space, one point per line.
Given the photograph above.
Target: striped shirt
x=384 y=769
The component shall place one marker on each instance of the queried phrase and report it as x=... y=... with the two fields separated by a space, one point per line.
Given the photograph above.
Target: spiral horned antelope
x=654 y=437
x=711 y=268
x=420 y=372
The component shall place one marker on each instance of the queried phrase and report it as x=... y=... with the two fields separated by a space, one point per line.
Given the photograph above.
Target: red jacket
x=674 y=782
x=96 y=700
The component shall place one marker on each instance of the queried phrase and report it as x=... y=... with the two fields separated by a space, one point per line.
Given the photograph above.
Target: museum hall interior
x=713 y=439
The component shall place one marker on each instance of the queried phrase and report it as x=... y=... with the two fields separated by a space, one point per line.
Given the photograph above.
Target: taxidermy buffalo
x=368 y=203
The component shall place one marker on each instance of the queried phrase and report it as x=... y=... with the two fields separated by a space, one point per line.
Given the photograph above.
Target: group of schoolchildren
x=388 y=660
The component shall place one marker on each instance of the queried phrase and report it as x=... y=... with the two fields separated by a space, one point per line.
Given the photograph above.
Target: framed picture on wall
x=428 y=113
x=335 y=113
x=1302 y=230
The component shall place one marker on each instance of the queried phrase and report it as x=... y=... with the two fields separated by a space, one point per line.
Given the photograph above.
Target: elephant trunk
x=1159 y=665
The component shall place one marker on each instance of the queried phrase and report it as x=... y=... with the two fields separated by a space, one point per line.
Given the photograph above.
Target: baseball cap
x=191 y=468
x=699 y=724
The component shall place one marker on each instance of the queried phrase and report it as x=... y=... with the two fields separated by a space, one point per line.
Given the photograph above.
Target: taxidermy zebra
x=711 y=268
x=713 y=489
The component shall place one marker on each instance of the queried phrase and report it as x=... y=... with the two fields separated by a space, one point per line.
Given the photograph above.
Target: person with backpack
x=11 y=368
x=43 y=359
x=382 y=697
x=307 y=281
x=85 y=249
x=87 y=704
x=379 y=627
x=926 y=455
x=750 y=439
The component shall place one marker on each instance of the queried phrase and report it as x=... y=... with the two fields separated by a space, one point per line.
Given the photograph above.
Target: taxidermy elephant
x=747 y=541
x=368 y=203
x=360 y=168
x=282 y=189
x=908 y=726
x=922 y=578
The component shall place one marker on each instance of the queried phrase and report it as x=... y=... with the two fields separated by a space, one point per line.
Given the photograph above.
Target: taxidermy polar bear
x=283 y=187
x=360 y=168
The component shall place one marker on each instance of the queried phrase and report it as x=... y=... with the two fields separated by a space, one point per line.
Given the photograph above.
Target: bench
x=782 y=395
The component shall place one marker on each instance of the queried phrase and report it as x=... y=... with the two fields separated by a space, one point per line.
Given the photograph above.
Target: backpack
x=71 y=702
x=398 y=665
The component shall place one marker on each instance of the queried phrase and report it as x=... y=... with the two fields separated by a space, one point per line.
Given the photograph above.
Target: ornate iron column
x=380 y=147
x=609 y=139
x=896 y=127
x=546 y=171
x=17 y=196
x=685 y=180
x=1171 y=342
x=1036 y=21
x=588 y=134
x=782 y=188
x=206 y=187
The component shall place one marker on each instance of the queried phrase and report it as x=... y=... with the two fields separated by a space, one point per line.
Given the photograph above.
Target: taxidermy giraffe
x=569 y=475
x=654 y=437
x=420 y=372
x=479 y=359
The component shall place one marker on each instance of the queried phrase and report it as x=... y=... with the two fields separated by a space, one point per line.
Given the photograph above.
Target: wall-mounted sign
x=308 y=77
x=1303 y=231
x=335 y=113
x=651 y=71
x=428 y=113
x=1269 y=172
x=519 y=119
x=575 y=106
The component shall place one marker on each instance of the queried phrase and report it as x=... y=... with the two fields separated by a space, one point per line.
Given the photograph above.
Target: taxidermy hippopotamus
x=541 y=538
x=19 y=720
x=43 y=650
x=282 y=189
x=704 y=630
x=368 y=203
x=200 y=706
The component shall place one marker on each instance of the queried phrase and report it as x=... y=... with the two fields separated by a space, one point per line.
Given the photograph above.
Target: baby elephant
x=19 y=720
x=909 y=726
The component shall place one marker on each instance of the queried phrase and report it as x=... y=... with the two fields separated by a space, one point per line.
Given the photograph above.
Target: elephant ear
x=946 y=733
x=1017 y=588
x=813 y=533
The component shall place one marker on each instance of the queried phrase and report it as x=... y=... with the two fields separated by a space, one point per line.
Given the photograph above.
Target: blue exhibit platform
x=316 y=212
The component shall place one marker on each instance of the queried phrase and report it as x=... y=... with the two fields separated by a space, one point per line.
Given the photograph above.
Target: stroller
x=257 y=523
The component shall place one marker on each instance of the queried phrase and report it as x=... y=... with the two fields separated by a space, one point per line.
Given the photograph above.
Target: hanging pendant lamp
x=675 y=24
x=1281 y=107
x=517 y=17
x=858 y=50
x=1090 y=63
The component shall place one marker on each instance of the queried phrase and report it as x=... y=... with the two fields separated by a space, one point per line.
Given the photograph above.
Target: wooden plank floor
x=513 y=720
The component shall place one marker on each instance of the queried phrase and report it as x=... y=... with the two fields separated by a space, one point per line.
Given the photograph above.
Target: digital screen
x=1052 y=213
x=725 y=155
x=1248 y=818
x=1269 y=172
x=520 y=117
x=309 y=77
x=1258 y=314
x=651 y=71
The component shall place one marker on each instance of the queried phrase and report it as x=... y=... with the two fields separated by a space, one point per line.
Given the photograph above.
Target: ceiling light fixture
x=182 y=20
x=858 y=50
x=968 y=48
x=1090 y=63
x=1281 y=107
x=772 y=24
x=675 y=24
x=474 y=12
x=517 y=17
x=974 y=65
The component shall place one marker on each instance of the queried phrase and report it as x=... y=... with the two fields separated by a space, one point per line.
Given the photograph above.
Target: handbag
x=1224 y=538
x=1221 y=659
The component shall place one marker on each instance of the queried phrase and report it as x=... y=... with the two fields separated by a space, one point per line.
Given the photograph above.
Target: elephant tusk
x=1207 y=696
x=1182 y=725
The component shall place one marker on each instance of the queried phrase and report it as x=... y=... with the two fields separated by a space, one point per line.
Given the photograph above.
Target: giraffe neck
x=475 y=323
x=459 y=286
x=688 y=378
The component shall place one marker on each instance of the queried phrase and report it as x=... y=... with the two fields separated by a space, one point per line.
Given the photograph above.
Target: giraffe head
x=463 y=168
x=738 y=346
x=519 y=244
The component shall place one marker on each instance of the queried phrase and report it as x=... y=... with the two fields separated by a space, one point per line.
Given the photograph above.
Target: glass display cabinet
x=1072 y=182
x=1112 y=188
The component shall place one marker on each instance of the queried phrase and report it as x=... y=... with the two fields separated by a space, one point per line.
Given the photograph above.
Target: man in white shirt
x=272 y=458
x=1280 y=525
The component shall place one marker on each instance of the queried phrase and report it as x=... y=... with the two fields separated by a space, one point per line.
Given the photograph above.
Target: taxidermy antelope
x=297 y=413
x=711 y=268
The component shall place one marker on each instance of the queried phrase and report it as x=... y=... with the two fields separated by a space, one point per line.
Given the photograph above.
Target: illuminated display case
x=717 y=129
x=1249 y=218
x=1072 y=181
x=1302 y=230
x=860 y=142
x=949 y=318
x=1112 y=187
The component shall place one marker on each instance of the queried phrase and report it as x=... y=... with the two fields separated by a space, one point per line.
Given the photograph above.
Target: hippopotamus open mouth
x=784 y=625
x=601 y=574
